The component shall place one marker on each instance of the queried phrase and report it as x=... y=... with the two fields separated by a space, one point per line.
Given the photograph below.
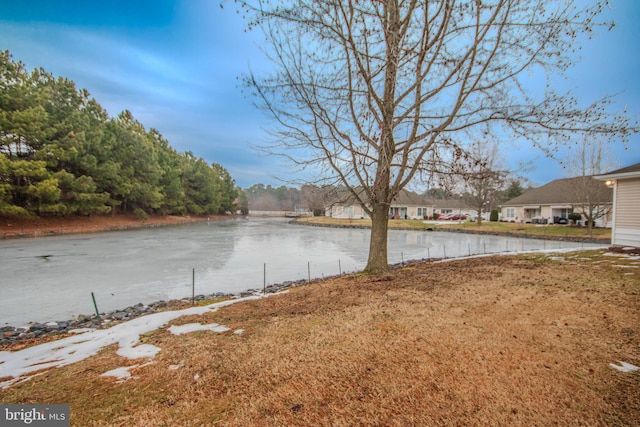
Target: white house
x=406 y=205
x=626 y=205
x=554 y=201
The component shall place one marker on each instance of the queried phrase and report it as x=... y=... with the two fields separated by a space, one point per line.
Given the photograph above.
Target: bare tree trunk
x=377 y=262
x=377 y=93
x=381 y=193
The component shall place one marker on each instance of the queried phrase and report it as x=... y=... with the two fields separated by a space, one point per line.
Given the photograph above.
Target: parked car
x=539 y=220
x=560 y=220
x=454 y=217
x=486 y=216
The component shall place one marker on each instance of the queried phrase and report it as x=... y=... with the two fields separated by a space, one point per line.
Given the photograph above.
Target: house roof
x=558 y=192
x=409 y=198
x=404 y=198
x=626 y=172
x=452 y=203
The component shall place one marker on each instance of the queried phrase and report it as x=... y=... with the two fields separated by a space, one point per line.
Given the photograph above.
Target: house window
x=422 y=212
x=510 y=213
x=348 y=211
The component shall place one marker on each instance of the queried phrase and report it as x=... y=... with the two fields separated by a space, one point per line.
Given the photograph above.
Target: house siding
x=628 y=198
x=406 y=205
x=627 y=237
x=627 y=217
x=553 y=199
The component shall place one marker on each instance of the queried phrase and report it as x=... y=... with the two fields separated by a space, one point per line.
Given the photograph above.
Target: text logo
x=34 y=415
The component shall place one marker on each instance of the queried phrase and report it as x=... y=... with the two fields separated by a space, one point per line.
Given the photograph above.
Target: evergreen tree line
x=61 y=154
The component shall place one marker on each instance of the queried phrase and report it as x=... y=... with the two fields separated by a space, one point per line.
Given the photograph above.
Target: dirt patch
x=518 y=340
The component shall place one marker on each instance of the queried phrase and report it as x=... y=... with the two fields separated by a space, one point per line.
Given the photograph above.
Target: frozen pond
x=51 y=278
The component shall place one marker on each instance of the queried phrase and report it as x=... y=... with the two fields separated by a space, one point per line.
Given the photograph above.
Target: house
x=625 y=183
x=553 y=202
x=452 y=206
x=406 y=205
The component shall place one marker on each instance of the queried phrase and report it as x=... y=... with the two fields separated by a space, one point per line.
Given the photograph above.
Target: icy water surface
x=51 y=278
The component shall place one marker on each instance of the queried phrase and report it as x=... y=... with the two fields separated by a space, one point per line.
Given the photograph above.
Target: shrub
x=140 y=214
x=575 y=217
x=494 y=215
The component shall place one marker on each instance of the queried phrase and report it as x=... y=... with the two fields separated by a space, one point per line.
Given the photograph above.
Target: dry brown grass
x=488 y=341
x=503 y=228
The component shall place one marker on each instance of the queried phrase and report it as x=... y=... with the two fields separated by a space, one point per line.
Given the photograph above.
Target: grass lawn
x=533 y=230
x=495 y=341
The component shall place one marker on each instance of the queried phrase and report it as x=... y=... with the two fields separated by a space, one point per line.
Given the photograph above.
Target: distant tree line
x=492 y=194
x=61 y=154
x=259 y=197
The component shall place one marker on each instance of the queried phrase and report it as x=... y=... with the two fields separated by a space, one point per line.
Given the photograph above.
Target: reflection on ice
x=51 y=279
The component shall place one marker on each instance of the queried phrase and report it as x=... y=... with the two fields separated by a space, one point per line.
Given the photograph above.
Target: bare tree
x=317 y=198
x=594 y=200
x=375 y=93
x=484 y=176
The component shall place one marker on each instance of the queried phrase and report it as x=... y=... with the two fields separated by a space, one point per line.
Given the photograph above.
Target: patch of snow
x=192 y=327
x=619 y=255
x=132 y=351
x=239 y=331
x=80 y=330
x=625 y=367
x=176 y=367
x=123 y=373
x=21 y=365
x=196 y=377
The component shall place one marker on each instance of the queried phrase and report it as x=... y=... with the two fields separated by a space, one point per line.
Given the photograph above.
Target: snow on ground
x=23 y=365
x=123 y=373
x=622 y=255
x=624 y=367
x=192 y=327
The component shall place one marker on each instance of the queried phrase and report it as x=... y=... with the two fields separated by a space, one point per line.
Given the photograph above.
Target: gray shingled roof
x=632 y=168
x=451 y=203
x=409 y=198
x=560 y=191
x=404 y=198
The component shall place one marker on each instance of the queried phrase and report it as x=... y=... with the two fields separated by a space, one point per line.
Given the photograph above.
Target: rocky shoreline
x=16 y=337
x=13 y=336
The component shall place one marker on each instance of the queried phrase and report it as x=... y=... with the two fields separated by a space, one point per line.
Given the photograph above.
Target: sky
x=176 y=64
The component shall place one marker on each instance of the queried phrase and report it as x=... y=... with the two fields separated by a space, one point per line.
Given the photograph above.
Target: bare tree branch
x=378 y=93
